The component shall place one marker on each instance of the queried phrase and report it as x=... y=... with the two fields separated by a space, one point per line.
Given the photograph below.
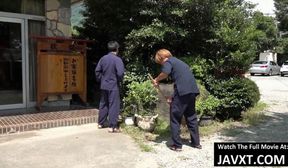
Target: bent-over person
x=183 y=100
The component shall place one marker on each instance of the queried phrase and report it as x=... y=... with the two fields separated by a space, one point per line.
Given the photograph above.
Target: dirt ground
x=274 y=92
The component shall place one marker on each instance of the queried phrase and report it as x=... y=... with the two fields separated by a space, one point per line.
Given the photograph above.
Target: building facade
x=19 y=21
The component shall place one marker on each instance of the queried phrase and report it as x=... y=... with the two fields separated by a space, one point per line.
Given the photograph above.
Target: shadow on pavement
x=273 y=129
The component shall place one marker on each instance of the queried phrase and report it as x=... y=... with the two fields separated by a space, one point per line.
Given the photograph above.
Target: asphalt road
x=273 y=89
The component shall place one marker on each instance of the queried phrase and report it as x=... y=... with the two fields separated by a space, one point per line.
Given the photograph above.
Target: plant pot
x=146 y=123
x=205 y=120
x=129 y=121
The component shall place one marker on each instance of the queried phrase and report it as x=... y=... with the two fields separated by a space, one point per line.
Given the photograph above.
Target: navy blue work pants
x=109 y=107
x=184 y=105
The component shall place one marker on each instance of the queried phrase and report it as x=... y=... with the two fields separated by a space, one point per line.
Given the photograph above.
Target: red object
x=265 y=66
x=59 y=38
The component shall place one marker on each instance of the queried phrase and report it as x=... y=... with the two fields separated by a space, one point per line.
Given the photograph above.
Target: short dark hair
x=113 y=46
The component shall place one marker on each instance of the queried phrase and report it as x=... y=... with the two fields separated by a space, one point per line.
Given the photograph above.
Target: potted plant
x=207 y=109
x=140 y=102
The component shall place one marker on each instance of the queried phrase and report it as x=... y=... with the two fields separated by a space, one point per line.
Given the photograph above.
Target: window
x=31 y=7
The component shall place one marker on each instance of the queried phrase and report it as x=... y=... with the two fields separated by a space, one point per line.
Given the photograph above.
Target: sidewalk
x=82 y=146
x=33 y=120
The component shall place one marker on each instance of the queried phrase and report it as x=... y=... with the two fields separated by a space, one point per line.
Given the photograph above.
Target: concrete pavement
x=82 y=146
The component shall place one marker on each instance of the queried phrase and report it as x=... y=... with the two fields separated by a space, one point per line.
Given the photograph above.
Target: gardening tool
x=158 y=89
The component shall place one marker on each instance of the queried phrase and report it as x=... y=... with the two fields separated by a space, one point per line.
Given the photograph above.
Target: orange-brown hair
x=161 y=55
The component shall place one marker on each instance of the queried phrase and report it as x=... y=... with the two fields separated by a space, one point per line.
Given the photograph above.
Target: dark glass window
x=31 y=7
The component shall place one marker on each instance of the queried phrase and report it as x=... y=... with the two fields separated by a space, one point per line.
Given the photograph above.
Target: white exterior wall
x=268 y=56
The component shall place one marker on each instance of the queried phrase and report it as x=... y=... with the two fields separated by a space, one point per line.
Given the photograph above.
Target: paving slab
x=83 y=146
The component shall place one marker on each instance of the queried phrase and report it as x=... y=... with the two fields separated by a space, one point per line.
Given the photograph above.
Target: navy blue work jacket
x=110 y=72
x=184 y=80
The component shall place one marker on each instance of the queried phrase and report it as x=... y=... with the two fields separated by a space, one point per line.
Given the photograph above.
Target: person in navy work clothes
x=183 y=100
x=110 y=72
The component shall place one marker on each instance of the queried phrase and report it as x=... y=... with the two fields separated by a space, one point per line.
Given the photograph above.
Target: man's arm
x=160 y=77
x=98 y=72
x=120 y=70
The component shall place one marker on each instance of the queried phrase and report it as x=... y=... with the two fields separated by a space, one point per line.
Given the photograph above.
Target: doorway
x=12 y=63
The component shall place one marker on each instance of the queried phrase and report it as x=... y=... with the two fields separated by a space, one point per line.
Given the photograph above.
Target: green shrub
x=236 y=95
x=203 y=92
x=199 y=66
x=141 y=99
x=133 y=74
x=208 y=106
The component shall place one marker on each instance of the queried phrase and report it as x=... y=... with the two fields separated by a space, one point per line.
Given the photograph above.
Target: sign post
x=61 y=67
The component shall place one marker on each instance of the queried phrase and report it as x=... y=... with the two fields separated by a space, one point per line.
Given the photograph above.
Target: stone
x=53 y=25
x=58 y=33
x=65 y=29
x=146 y=123
x=66 y=96
x=52 y=15
x=52 y=5
x=48 y=24
x=49 y=33
x=52 y=98
x=64 y=15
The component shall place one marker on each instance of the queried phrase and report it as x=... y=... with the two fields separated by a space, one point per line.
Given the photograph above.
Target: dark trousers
x=109 y=107
x=184 y=105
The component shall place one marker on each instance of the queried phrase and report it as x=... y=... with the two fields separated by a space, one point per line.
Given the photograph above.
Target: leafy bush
x=199 y=66
x=131 y=75
x=206 y=104
x=236 y=95
x=203 y=92
x=141 y=99
x=208 y=107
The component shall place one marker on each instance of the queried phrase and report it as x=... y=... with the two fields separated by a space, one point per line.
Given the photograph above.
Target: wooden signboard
x=61 y=67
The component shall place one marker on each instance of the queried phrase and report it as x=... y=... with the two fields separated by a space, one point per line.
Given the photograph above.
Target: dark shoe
x=197 y=146
x=175 y=148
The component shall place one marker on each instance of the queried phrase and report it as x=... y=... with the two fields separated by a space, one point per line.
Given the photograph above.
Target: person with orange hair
x=183 y=100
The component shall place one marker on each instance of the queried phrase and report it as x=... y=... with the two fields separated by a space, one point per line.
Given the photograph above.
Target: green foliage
x=236 y=95
x=267 y=37
x=203 y=92
x=199 y=66
x=139 y=136
x=162 y=128
x=282 y=47
x=141 y=99
x=255 y=114
x=234 y=44
x=225 y=35
x=132 y=74
x=206 y=104
x=208 y=107
x=176 y=25
x=108 y=20
x=281 y=14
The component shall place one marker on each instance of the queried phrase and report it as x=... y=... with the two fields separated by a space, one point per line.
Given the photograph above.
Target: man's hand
x=168 y=99
x=155 y=83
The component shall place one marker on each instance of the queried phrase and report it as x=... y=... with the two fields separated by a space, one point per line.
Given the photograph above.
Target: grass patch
x=215 y=127
x=162 y=128
x=255 y=115
x=252 y=116
x=139 y=136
